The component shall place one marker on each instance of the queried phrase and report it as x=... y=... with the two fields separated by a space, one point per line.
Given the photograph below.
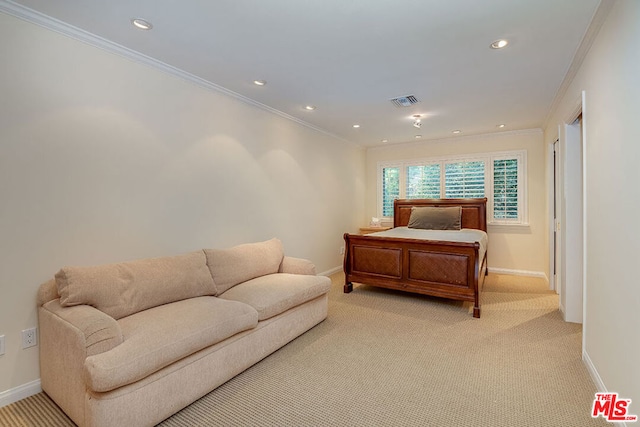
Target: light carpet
x=386 y=358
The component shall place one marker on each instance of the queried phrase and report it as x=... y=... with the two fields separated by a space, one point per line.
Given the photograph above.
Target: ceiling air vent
x=405 y=101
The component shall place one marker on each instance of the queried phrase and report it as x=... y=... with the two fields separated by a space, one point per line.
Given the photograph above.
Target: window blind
x=423 y=182
x=390 y=189
x=499 y=176
x=505 y=189
x=464 y=179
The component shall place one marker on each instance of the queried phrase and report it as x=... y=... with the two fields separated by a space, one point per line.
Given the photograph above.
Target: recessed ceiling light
x=418 y=136
x=501 y=125
x=141 y=24
x=356 y=126
x=456 y=131
x=310 y=107
x=499 y=44
x=260 y=82
x=384 y=140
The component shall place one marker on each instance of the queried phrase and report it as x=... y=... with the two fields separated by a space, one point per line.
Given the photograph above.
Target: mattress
x=466 y=235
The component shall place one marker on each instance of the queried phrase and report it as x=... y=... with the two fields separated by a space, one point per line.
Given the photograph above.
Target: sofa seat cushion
x=276 y=293
x=129 y=287
x=159 y=336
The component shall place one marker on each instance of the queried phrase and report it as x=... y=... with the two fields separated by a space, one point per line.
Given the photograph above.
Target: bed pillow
x=244 y=262
x=436 y=218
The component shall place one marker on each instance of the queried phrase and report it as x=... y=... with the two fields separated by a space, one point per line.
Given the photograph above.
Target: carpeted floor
x=385 y=358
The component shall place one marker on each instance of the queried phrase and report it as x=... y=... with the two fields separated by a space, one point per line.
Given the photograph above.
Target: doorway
x=567 y=227
x=571 y=233
x=556 y=284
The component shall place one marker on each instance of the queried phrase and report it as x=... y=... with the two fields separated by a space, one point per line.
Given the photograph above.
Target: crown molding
x=458 y=138
x=599 y=16
x=32 y=16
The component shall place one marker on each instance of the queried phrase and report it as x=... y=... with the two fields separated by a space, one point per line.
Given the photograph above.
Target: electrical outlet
x=1 y=345
x=341 y=250
x=29 y=338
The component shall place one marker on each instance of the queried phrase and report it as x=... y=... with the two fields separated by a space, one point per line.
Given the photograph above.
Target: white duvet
x=468 y=235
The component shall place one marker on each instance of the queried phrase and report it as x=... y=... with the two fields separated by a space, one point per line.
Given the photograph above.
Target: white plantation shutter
x=423 y=182
x=499 y=176
x=390 y=189
x=464 y=179
x=505 y=189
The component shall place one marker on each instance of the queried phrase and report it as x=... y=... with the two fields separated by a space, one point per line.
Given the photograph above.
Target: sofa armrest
x=68 y=335
x=95 y=331
x=297 y=266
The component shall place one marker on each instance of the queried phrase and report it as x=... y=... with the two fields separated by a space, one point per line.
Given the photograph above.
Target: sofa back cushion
x=129 y=287
x=243 y=262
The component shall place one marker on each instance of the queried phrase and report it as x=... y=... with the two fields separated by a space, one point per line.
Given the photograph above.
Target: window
x=464 y=180
x=498 y=176
x=423 y=182
x=390 y=189
x=505 y=189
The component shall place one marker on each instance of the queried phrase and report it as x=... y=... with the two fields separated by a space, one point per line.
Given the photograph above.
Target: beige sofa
x=130 y=344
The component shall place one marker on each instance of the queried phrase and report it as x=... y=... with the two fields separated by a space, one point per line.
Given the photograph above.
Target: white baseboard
x=527 y=273
x=562 y=311
x=595 y=376
x=25 y=390
x=330 y=272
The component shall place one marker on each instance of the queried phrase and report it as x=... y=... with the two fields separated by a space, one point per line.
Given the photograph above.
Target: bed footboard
x=437 y=268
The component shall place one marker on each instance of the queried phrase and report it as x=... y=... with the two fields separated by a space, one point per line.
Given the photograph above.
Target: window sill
x=523 y=228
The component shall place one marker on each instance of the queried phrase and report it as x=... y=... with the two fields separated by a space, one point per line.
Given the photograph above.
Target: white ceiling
x=350 y=57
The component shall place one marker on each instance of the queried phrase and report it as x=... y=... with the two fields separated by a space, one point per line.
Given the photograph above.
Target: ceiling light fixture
x=501 y=125
x=417 y=121
x=259 y=82
x=456 y=131
x=384 y=140
x=356 y=126
x=141 y=24
x=499 y=44
x=310 y=107
x=418 y=136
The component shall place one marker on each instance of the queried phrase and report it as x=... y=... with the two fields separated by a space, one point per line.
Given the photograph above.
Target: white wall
x=103 y=159
x=514 y=249
x=609 y=77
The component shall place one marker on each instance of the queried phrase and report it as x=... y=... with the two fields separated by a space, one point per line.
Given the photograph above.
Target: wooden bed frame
x=438 y=268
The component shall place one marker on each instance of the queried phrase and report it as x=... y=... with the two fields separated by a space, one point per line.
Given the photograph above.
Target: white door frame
x=553 y=179
x=570 y=281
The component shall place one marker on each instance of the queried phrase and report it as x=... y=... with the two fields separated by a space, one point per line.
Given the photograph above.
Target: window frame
x=488 y=158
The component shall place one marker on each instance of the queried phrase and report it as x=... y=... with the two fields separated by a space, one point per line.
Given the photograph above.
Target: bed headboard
x=474 y=211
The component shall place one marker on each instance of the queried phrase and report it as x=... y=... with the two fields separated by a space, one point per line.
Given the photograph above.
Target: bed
x=415 y=260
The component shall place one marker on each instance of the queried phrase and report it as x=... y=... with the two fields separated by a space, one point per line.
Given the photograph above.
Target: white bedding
x=468 y=235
